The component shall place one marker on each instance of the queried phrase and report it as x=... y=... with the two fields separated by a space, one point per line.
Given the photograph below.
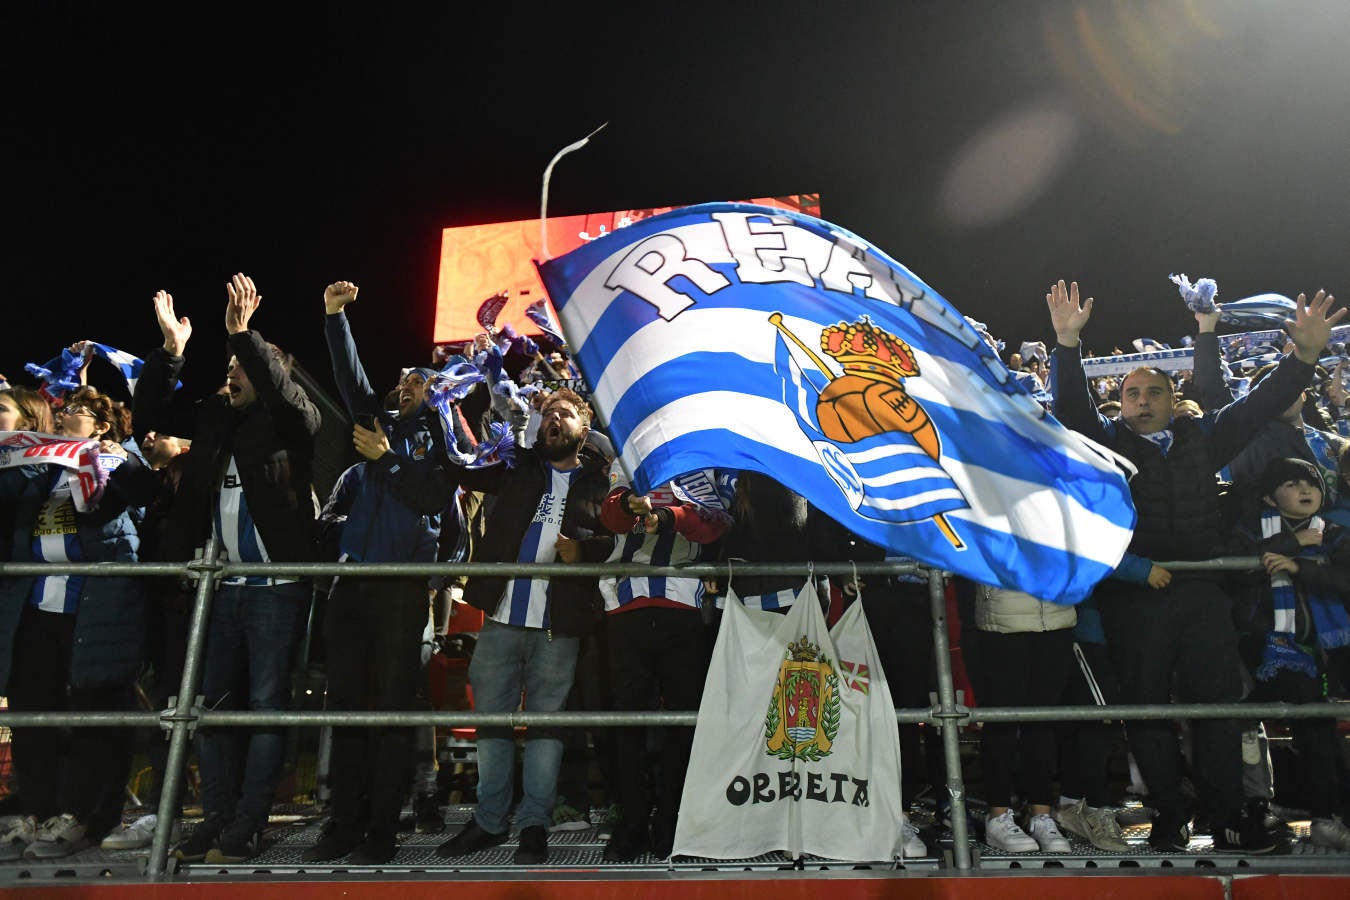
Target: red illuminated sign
x=479 y=261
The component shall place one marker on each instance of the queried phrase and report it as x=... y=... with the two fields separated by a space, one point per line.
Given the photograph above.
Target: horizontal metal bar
x=196 y=568
x=468 y=718
x=110 y=569
x=392 y=570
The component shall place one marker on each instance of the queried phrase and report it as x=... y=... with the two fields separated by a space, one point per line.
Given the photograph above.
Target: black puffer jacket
x=1175 y=498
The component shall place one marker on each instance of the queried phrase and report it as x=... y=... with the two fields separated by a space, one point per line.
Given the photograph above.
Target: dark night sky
x=990 y=147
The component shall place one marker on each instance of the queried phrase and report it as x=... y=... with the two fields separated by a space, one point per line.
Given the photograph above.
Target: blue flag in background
x=731 y=336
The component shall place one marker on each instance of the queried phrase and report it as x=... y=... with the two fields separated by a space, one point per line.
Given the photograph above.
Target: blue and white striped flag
x=130 y=366
x=538 y=313
x=731 y=336
x=1261 y=311
x=1149 y=345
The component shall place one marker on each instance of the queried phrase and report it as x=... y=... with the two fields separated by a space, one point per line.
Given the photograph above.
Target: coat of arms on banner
x=803 y=717
x=819 y=771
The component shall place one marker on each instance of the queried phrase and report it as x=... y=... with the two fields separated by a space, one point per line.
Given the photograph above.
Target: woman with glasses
x=69 y=642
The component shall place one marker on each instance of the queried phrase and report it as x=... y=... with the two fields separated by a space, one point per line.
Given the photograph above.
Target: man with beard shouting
x=547 y=510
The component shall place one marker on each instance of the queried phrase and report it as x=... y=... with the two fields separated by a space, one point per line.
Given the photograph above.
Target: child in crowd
x=1294 y=622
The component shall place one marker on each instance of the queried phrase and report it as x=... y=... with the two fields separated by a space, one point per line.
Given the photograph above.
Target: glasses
x=74 y=411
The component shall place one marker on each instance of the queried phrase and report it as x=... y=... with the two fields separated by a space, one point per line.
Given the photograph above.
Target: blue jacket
x=110 y=621
x=393 y=516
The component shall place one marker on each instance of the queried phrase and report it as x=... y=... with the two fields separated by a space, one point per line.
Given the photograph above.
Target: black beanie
x=1291 y=468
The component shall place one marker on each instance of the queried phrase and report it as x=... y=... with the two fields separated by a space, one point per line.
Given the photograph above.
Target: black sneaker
x=626 y=844
x=1246 y=834
x=533 y=849
x=471 y=839
x=1170 y=833
x=201 y=841
x=337 y=840
x=427 y=815
x=378 y=849
x=1259 y=809
x=239 y=842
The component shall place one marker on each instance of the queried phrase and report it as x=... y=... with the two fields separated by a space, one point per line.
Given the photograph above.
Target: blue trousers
x=252 y=635
x=506 y=661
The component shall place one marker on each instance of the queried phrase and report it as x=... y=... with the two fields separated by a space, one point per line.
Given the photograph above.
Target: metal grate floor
x=580 y=853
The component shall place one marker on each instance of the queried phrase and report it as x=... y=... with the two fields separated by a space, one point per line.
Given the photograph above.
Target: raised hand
x=85 y=351
x=243 y=302
x=1208 y=321
x=176 y=330
x=1310 y=329
x=337 y=295
x=1336 y=387
x=1067 y=315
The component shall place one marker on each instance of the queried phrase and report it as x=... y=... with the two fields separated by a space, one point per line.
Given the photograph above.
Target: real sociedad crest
x=867 y=410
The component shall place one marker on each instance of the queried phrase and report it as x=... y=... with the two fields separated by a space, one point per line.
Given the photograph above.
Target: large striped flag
x=732 y=336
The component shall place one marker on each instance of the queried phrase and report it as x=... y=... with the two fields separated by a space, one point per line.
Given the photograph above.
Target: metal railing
x=207 y=571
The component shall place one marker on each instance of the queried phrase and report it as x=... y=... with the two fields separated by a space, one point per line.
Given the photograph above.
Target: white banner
x=796 y=747
x=1177 y=360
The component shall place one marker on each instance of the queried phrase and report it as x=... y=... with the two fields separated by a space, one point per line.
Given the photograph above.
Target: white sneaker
x=16 y=833
x=57 y=837
x=911 y=845
x=1002 y=833
x=1097 y=826
x=1046 y=834
x=1330 y=833
x=140 y=833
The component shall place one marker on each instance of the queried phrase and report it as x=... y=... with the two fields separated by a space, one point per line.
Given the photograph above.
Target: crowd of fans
x=489 y=453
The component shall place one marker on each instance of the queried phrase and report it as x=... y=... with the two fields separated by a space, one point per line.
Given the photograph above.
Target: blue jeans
x=252 y=634
x=506 y=660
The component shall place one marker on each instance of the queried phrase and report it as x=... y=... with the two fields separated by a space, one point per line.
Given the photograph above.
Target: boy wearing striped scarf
x=1296 y=619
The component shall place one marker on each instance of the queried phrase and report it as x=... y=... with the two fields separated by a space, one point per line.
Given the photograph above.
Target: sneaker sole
x=35 y=851
x=569 y=826
x=124 y=845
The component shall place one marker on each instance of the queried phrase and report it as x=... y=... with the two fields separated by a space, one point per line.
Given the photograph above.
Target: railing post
x=180 y=727
x=948 y=717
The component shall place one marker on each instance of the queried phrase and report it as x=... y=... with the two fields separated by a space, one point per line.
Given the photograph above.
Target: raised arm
x=357 y=393
x=294 y=413
x=152 y=401
x=176 y=330
x=1208 y=379
x=1073 y=396
x=1310 y=329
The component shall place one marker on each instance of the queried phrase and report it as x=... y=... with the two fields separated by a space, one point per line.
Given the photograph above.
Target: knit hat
x=1291 y=468
x=426 y=373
